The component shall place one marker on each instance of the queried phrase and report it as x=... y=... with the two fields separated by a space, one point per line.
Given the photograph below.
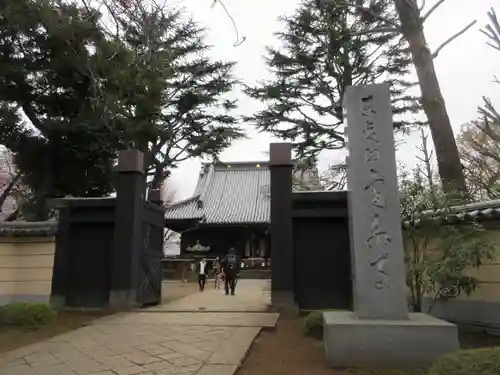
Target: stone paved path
x=158 y=342
x=250 y=296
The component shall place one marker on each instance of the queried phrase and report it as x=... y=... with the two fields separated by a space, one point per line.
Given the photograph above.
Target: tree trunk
x=8 y=189
x=158 y=177
x=448 y=159
x=13 y=216
x=40 y=210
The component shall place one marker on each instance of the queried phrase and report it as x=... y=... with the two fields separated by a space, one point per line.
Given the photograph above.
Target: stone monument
x=380 y=331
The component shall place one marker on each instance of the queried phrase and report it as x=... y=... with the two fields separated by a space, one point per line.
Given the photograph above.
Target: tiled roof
x=489 y=210
x=28 y=229
x=227 y=193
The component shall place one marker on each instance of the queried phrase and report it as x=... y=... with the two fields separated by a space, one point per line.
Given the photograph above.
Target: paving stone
x=161 y=365
x=199 y=319
x=16 y=362
x=159 y=351
x=44 y=359
x=54 y=370
x=188 y=370
x=171 y=371
x=115 y=361
x=232 y=352
x=17 y=369
x=133 y=370
x=21 y=352
x=217 y=370
x=141 y=358
x=148 y=343
x=171 y=356
x=85 y=366
x=148 y=347
x=184 y=361
x=251 y=296
x=198 y=354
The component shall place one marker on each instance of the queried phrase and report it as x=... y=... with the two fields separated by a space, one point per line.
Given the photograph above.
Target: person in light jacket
x=202 y=271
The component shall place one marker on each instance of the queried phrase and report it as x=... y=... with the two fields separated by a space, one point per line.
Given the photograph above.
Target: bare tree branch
x=452 y=38
x=366 y=10
x=426 y=158
x=492 y=30
x=422 y=6
x=239 y=41
x=377 y=30
x=8 y=189
x=431 y=10
x=480 y=153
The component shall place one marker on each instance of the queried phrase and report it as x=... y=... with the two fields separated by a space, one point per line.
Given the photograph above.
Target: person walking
x=231 y=267
x=202 y=270
x=216 y=270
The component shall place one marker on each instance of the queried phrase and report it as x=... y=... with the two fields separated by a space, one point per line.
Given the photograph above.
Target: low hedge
x=484 y=361
x=30 y=315
x=313 y=324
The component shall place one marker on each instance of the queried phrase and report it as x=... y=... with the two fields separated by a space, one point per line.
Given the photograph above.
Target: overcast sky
x=465 y=68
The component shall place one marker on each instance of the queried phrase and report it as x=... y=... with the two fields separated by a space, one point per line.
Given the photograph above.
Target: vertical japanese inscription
x=378 y=237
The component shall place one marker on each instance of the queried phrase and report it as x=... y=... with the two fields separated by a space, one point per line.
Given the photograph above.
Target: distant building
x=172 y=243
x=230 y=208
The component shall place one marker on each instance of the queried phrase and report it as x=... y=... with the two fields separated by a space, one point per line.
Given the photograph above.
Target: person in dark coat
x=230 y=265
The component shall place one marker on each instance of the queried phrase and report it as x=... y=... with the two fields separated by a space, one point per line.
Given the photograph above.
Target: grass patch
x=485 y=361
x=312 y=324
x=26 y=315
x=13 y=337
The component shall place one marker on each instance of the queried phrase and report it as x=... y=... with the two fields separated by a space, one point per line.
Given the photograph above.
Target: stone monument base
x=420 y=340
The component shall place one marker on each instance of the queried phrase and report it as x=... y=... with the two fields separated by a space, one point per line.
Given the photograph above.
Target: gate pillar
x=281 y=167
x=128 y=229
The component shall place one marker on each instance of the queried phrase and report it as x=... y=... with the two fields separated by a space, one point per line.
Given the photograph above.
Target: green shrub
x=29 y=315
x=313 y=324
x=484 y=361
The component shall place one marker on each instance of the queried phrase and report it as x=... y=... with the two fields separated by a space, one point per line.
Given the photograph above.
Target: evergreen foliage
x=73 y=93
x=322 y=53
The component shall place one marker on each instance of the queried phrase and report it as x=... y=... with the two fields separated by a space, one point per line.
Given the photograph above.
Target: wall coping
x=10 y=229
x=27 y=239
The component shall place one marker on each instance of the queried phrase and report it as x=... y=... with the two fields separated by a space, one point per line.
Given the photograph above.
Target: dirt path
x=286 y=351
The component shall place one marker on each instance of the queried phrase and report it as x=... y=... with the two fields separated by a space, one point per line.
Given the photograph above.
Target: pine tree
x=180 y=109
x=323 y=52
x=88 y=91
x=56 y=71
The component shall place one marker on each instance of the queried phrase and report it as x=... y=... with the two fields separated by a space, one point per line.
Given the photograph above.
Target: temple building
x=229 y=208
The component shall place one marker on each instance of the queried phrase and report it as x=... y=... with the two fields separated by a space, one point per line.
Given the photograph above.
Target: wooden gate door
x=149 y=277
x=322 y=263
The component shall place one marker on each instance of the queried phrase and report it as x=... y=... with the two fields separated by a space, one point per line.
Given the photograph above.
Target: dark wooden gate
x=149 y=268
x=109 y=250
x=82 y=262
x=321 y=250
